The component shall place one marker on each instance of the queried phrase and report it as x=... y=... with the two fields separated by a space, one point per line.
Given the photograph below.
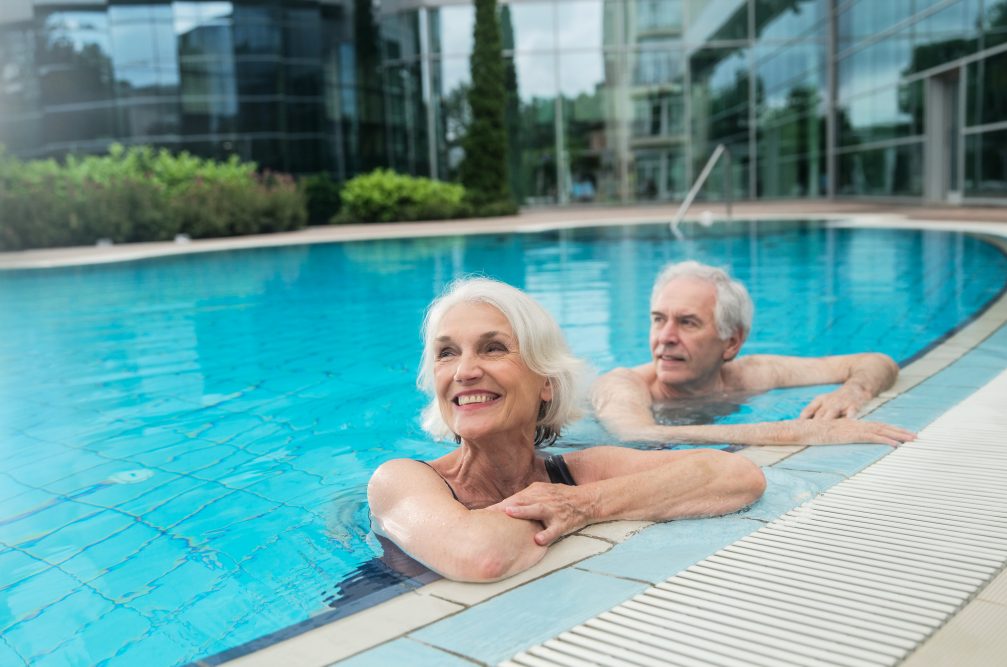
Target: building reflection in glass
x=608 y=100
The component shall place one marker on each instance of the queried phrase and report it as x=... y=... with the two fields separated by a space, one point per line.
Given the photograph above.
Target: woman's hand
x=844 y=431
x=561 y=509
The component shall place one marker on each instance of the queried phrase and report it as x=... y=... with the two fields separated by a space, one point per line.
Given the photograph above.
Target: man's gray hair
x=734 y=309
x=540 y=343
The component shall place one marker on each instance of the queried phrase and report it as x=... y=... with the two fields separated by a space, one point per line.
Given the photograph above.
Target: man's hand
x=842 y=431
x=561 y=509
x=845 y=401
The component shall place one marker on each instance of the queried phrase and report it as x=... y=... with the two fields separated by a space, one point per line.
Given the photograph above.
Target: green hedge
x=140 y=194
x=385 y=196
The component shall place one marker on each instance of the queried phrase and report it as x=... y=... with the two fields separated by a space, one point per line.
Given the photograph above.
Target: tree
x=484 y=168
x=370 y=133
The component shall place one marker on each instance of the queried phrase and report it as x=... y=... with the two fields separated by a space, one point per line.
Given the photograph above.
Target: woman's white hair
x=734 y=309
x=540 y=343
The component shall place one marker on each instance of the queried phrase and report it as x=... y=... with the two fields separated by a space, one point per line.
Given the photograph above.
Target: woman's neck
x=484 y=473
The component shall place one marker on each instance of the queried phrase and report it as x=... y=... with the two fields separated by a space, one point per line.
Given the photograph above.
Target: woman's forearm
x=481 y=546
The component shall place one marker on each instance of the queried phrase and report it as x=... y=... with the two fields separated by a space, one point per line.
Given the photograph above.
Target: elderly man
x=700 y=318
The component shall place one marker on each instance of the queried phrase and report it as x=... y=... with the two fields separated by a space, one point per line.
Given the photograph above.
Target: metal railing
x=721 y=149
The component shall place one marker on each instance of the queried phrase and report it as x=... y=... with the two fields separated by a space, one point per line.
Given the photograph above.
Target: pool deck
x=447 y=623
x=973 y=219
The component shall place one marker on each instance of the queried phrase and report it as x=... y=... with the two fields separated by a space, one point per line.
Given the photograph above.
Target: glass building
x=608 y=100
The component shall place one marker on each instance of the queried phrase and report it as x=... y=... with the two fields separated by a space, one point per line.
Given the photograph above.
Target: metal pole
x=728 y=181
x=695 y=189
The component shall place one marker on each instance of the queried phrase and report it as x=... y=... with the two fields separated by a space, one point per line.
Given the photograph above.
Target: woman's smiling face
x=484 y=389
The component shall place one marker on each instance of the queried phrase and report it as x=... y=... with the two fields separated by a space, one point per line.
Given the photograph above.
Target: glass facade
x=607 y=100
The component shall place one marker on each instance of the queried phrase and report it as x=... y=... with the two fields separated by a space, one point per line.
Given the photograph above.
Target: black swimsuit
x=555 y=466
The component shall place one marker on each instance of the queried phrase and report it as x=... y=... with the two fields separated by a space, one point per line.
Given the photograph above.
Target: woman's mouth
x=470 y=399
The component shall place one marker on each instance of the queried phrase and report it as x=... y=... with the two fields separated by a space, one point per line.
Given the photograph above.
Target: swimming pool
x=186 y=441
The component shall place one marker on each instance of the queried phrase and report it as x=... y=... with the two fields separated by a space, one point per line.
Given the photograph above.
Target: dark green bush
x=385 y=196
x=322 y=195
x=139 y=194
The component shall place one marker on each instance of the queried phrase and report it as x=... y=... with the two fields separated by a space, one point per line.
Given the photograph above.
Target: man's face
x=684 y=343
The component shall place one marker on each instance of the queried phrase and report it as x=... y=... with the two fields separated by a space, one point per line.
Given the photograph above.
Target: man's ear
x=733 y=344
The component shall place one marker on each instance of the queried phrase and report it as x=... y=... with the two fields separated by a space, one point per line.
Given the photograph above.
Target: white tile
x=571 y=549
x=615 y=531
x=347 y=636
x=767 y=456
x=996 y=591
x=976 y=637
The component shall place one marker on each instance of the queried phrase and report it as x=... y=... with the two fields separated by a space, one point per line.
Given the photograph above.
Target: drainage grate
x=859 y=576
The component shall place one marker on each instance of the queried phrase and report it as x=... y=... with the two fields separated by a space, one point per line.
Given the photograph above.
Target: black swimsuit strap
x=559 y=473
x=453 y=494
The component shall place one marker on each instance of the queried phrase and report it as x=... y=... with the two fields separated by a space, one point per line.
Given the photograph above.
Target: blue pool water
x=185 y=442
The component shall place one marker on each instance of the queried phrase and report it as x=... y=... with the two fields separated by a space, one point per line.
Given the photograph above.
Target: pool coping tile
x=568 y=551
x=405 y=651
x=353 y=634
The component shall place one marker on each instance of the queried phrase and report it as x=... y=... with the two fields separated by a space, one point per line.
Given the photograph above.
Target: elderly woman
x=504 y=383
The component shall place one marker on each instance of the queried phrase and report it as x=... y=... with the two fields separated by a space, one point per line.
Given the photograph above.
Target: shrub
x=322 y=195
x=140 y=194
x=385 y=196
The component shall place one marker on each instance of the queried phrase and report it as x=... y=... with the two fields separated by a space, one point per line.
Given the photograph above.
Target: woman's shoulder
x=397 y=478
x=396 y=471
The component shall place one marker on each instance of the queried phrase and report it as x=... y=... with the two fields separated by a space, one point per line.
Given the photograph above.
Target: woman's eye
x=496 y=347
x=445 y=352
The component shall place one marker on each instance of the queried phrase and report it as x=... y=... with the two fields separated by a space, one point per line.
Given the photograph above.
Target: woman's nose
x=468 y=368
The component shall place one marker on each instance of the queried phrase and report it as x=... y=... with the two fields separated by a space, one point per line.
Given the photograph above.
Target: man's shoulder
x=621 y=384
x=641 y=372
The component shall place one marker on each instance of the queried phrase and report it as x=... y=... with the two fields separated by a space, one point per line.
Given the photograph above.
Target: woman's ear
x=546 y=394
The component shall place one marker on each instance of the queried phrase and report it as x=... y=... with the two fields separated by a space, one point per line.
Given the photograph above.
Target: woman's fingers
x=529 y=512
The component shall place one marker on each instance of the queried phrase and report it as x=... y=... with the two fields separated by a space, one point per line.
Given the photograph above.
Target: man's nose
x=669 y=332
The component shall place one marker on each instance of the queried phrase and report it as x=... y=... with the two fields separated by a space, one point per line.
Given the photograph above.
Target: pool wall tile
x=34 y=636
x=68 y=541
x=665 y=549
x=8 y=656
x=404 y=652
x=495 y=630
x=786 y=489
x=843 y=460
x=910 y=418
x=16 y=566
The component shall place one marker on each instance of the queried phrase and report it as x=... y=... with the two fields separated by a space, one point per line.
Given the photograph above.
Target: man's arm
x=620 y=483
x=861 y=377
x=412 y=506
x=622 y=403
